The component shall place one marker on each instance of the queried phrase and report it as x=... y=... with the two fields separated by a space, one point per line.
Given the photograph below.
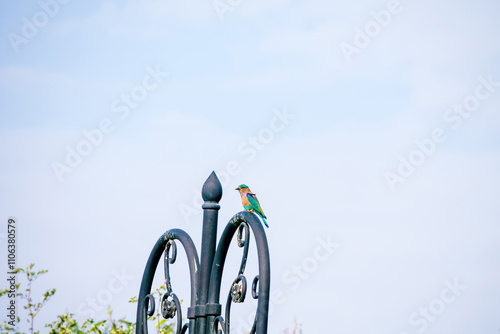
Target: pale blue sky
x=320 y=174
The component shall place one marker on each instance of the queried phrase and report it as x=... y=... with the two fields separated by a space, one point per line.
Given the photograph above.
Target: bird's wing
x=255 y=204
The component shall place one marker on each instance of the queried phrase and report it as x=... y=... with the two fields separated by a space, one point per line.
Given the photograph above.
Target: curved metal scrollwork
x=245 y=243
x=170 y=305
x=168 y=260
x=241 y=224
x=255 y=293
x=220 y=325
x=150 y=305
x=238 y=290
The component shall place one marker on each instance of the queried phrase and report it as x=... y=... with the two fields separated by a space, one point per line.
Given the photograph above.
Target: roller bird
x=250 y=202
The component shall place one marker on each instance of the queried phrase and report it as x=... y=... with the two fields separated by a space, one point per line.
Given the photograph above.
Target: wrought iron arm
x=261 y=283
x=146 y=301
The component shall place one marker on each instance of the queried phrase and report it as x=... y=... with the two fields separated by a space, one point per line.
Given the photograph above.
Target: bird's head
x=241 y=187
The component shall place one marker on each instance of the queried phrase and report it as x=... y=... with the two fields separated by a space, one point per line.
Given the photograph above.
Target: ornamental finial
x=212 y=189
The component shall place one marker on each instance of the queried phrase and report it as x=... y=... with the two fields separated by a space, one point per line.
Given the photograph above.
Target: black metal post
x=211 y=193
x=205 y=310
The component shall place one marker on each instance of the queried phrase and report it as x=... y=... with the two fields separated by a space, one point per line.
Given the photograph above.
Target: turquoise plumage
x=250 y=202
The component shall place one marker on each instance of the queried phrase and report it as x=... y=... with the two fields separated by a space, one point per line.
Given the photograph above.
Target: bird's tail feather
x=263 y=220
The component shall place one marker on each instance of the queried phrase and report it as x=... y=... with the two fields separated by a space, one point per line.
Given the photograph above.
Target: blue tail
x=263 y=219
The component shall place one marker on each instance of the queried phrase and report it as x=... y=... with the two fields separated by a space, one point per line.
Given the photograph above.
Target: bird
x=250 y=202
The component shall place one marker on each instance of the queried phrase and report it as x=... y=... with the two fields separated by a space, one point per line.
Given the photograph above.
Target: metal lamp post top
x=205 y=311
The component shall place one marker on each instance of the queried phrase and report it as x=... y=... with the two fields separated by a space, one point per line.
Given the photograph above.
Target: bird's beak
x=237 y=188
